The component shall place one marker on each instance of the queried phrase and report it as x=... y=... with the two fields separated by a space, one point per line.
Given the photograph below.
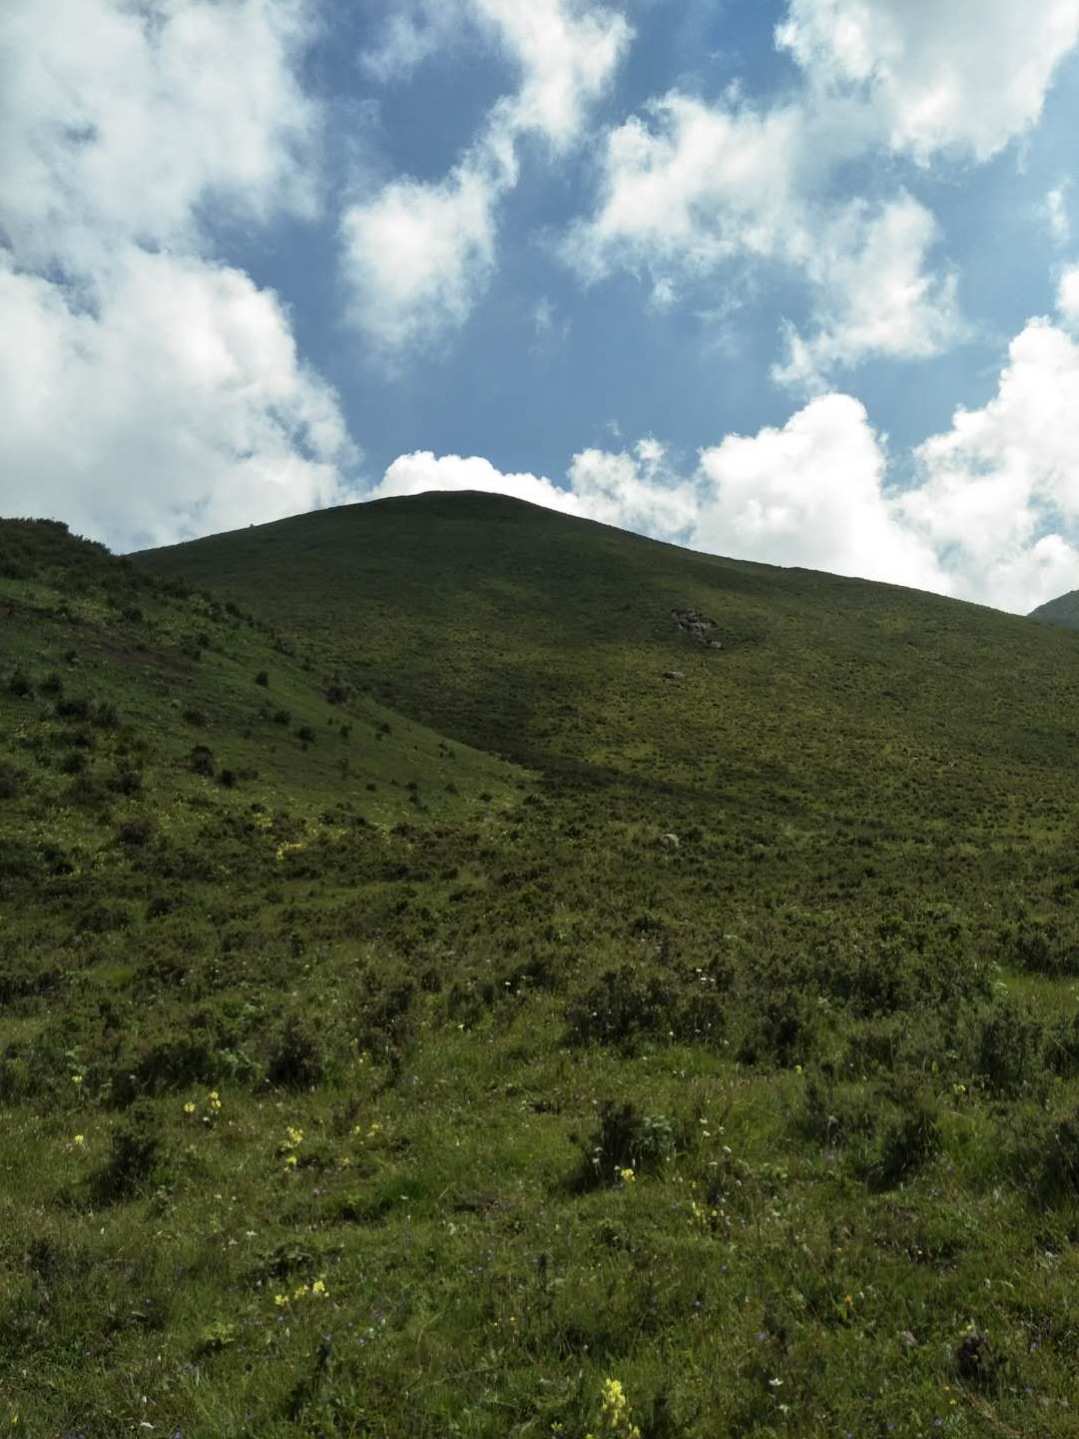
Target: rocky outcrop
x=697 y=627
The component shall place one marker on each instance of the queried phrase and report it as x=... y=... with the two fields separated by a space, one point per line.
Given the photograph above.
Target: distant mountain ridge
x=1064 y=610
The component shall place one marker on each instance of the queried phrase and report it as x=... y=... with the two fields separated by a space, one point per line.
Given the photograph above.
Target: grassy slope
x=836 y=1022
x=548 y=639
x=1064 y=610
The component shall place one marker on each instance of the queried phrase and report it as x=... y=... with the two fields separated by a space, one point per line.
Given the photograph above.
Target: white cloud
x=417 y=256
x=635 y=490
x=967 y=76
x=695 y=186
x=993 y=514
x=565 y=53
x=629 y=490
x=422 y=471
x=695 y=191
x=704 y=186
x=1068 y=296
x=119 y=121
x=177 y=406
x=999 y=493
x=150 y=394
x=875 y=294
x=811 y=494
x=1056 y=213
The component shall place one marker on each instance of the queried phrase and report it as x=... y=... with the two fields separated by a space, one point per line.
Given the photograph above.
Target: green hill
x=1064 y=610
x=682 y=1036
x=550 y=639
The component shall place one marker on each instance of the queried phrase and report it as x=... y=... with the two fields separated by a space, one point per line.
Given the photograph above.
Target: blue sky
x=790 y=281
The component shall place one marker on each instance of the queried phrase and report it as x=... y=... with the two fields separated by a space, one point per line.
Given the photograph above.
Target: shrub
x=106 y=716
x=1042 y=946
x=907 y=1141
x=624 y=1139
x=833 y=1117
x=125 y=780
x=228 y=778
x=295 y=1059
x=1009 y=1052
x=305 y=734
x=11 y=781
x=85 y=791
x=74 y=762
x=135 y=1152
x=201 y=760
x=73 y=708
x=282 y=717
x=19 y=684
x=620 y=1009
x=52 y=684
x=137 y=831
x=783 y=1029
x=196 y=717
x=262 y=678
x=1048 y=1158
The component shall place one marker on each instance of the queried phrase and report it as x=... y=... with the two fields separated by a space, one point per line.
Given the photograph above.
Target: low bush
x=295 y=1055
x=132 y=1165
x=625 y=1139
x=908 y=1139
x=137 y=831
x=201 y=760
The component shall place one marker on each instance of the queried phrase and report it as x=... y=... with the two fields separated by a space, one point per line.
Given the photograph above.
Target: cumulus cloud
x=631 y=489
x=812 y=493
x=119 y=121
x=700 y=186
x=176 y=406
x=417 y=255
x=992 y=514
x=968 y=76
x=1057 y=217
x=699 y=191
x=875 y=293
x=564 y=52
x=1068 y=296
x=149 y=393
x=692 y=184
x=999 y=491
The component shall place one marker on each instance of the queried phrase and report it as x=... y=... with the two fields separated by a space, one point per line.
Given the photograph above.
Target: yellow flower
x=295 y=1136
x=291 y=1162
x=214 y=1100
x=319 y=1287
x=76 y=1079
x=281 y=1300
x=80 y=1140
x=300 y=1291
x=627 y=1176
x=189 y=1108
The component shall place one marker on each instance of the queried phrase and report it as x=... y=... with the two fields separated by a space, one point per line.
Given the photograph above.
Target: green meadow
x=466 y=971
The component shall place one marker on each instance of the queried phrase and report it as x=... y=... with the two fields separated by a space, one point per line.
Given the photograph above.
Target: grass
x=433 y=1119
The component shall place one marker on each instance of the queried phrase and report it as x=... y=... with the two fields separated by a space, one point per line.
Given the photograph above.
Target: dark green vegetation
x=704 y=1020
x=1064 y=610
